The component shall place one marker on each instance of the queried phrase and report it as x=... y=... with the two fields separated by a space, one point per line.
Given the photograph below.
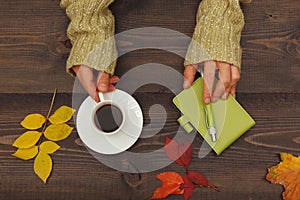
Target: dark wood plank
x=239 y=172
x=34 y=49
x=31 y=53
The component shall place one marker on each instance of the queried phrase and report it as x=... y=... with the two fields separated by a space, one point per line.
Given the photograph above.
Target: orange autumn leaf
x=171 y=184
x=287 y=173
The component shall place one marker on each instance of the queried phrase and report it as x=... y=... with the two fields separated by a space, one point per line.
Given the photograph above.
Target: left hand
x=229 y=76
x=104 y=82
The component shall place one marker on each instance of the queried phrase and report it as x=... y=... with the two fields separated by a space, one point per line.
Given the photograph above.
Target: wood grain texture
x=34 y=48
x=239 y=172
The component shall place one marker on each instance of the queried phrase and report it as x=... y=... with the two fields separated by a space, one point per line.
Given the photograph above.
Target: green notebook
x=230 y=119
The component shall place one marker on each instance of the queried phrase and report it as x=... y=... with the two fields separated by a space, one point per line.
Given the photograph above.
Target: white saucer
x=118 y=142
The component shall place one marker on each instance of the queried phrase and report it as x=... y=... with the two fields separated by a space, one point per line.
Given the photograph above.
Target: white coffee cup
x=98 y=106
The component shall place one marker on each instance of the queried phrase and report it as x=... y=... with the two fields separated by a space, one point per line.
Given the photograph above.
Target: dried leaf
x=62 y=115
x=200 y=180
x=171 y=148
x=182 y=154
x=33 y=121
x=188 y=187
x=57 y=132
x=27 y=139
x=26 y=154
x=178 y=191
x=186 y=151
x=287 y=173
x=43 y=166
x=49 y=147
x=171 y=182
x=197 y=178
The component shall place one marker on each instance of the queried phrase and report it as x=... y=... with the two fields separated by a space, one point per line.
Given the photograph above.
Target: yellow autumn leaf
x=27 y=139
x=49 y=147
x=43 y=166
x=57 y=132
x=62 y=115
x=26 y=154
x=33 y=121
x=287 y=173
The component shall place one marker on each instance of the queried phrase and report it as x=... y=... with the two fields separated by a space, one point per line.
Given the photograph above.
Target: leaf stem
x=52 y=102
x=48 y=115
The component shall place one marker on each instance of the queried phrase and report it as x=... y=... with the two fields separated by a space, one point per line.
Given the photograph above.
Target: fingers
x=223 y=85
x=225 y=77
x=96 y=96
x=235 y=77
x=86 y=77
x=219 y=91
x=103 y=82
x=208 y=76
x=111 y=88
x=189 y=75
x=114 y=79
x=229 y=76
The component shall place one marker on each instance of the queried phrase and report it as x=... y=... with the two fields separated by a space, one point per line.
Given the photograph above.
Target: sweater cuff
x=245 y=1
x=91 y=32
x=217 y=33
x=89 y=50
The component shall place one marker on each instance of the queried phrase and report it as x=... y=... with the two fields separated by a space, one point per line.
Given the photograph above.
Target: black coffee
x=108 y=118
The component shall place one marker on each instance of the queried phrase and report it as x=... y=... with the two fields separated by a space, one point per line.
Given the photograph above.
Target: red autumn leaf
x=200 y=180
x=188 y=187
x=171 y=183
x=171 y=149
x=185 y=151
x=182 y=154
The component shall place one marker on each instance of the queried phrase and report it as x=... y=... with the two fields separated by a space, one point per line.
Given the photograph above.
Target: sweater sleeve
x=91 y=32
x=217 y=33
x=245 y=1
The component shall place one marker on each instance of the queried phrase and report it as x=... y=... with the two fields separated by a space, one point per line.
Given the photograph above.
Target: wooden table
x=33 y=50
x=239 y=171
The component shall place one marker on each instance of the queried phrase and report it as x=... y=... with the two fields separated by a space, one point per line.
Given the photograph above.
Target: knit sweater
x=216 y=36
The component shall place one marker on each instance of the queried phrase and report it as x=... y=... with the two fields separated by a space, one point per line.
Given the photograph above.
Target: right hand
x=229 y=76
x=104 y=82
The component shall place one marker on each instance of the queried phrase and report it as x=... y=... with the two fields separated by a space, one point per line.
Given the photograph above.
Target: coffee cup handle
x=101 y=96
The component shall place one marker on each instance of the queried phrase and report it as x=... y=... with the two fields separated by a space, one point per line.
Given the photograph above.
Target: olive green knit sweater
x=216 y=36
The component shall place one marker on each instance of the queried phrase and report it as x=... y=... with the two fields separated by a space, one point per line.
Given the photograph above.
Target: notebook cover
x=231 y=120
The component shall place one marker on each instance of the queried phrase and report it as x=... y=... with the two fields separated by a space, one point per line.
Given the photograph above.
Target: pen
x=210 y=122
x=208 y=110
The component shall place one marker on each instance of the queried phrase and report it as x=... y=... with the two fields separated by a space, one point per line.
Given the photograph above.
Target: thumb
x=103 y=82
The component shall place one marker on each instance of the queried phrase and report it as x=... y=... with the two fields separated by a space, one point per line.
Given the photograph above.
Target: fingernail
x=186 y=84
x=214 y=99
x=103 y=86
x=225 y=95
x=207 y=100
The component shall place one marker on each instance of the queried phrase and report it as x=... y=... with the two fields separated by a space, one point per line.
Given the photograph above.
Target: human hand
x=104 y=82
x=229 y=75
